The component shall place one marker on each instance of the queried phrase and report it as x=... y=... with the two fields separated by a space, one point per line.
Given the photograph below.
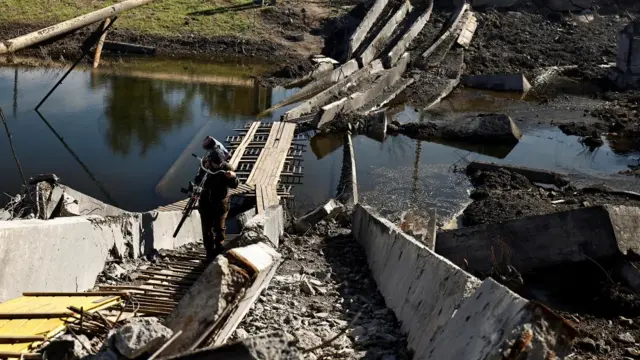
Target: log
x=129 y=48
x=24 y=41
x=96 y=56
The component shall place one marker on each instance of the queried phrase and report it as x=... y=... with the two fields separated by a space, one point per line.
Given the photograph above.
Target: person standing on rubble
x=214 y=199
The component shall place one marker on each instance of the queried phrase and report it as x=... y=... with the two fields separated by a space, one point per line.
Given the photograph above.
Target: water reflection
x=114 y=136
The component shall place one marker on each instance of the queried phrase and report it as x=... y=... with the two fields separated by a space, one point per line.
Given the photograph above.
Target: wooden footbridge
x=267 y=161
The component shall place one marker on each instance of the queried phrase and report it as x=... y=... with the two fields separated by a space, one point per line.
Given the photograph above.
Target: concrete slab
x=495 y=323
x=365 y=25
x=205 y=302
x=538 y=242
x=494 y=128
x=422 y=288
x=498 y=82
x=380 y=41
x=326 y=210
x=401 y=47
x=63 y=254
x=158 y=227
x=88 y=205
x=321 y=69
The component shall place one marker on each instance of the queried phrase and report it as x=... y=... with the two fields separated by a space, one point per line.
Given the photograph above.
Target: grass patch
x=162 y=17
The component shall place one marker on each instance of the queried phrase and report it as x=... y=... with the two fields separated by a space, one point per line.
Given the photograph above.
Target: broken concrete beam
x=332 y=92
x=319 y=84
x=275 y=344
x=357 y=100
x=401 y=47
x=53 y=200
x=324 y=211
x=388 y=95
x=325 y=144
x=347 y=191
x=320 y=70
x=468 y=30
x=534 y=175
x=270 y=223
x=158 y=228
x=533 y=243
x=141 y=335
x=127 y=48
x=422 y=288
x=495 y=323
x=515 y=82
x=205 y=303
x=379 y=42
x=33 y=252
x=454 y=26
x=365 y=25
x=263 y=261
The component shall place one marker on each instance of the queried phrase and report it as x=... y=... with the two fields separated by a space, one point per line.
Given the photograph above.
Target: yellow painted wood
x=44 y=327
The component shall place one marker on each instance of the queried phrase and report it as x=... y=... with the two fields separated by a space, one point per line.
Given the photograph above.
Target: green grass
x=162 y=17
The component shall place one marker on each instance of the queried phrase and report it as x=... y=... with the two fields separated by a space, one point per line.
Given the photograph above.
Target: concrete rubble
x=322 y=212
x=140 y=336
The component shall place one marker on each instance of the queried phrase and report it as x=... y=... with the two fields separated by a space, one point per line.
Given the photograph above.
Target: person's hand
x=230 y=174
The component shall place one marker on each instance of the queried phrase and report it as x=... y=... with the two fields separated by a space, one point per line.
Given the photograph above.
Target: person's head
x=216 y=157
x=209 y=143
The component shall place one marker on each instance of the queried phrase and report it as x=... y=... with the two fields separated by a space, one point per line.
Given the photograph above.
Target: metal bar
x=70 y=294
x=12 y=316
x=166 y=345
x=10 y=339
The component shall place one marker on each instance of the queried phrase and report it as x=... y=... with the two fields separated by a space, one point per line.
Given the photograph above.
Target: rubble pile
x=322 y=285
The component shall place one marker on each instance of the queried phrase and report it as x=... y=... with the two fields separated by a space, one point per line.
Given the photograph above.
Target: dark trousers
x=213 y=217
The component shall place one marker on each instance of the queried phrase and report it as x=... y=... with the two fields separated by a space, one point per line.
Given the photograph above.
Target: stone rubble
x=321 y=286
x=140 y=336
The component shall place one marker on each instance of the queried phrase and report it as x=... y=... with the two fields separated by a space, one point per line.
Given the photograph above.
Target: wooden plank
x=239 y=151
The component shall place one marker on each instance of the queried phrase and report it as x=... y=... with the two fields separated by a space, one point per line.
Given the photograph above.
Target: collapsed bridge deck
x=267 y=161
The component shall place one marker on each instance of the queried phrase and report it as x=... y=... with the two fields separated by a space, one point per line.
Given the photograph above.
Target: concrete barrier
x=68 y=253
x=379 y=42
x=468 y=30
x=515 y=82
x=403 y=44
x=538 y=242
x=422 y=288
x=158 y=227
x=63 y=254
x=495 y=323
x=332 y=92
x=365 y=25
x=320 y=70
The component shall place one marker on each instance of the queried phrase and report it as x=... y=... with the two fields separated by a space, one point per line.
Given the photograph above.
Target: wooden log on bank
x=21 y=42
x=129 y=48
x=96 y=56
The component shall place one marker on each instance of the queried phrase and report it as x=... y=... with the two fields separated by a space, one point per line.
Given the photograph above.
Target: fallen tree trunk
x=24 y=41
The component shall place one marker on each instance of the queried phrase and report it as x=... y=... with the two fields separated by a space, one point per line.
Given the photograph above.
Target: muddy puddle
x=124 y=136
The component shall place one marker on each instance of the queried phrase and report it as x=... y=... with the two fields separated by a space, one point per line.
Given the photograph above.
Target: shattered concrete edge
x=497 y=323
x=534 y=175
x=422 y=288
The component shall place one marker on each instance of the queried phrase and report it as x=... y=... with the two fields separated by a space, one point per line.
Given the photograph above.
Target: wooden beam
x=96 y=56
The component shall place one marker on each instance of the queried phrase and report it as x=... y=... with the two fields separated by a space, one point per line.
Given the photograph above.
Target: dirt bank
x=504 y=195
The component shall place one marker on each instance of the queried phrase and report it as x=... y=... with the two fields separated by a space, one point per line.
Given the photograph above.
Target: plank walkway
x=265 y=159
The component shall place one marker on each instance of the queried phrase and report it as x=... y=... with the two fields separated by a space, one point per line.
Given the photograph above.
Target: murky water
x=126 y=138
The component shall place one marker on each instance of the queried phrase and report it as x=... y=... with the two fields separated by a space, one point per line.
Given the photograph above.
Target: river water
x=125 y=137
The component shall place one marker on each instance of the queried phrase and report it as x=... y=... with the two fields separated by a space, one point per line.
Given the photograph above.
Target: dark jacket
x=216 y=187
